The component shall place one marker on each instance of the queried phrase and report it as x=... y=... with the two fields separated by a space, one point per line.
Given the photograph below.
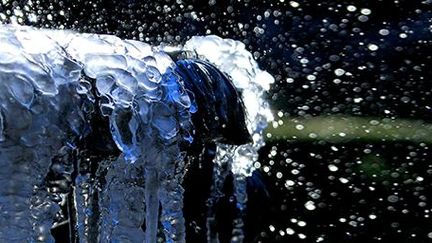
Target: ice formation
x=232 y=58
x=59 y=86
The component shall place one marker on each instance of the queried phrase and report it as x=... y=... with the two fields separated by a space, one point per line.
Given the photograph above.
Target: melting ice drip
x=56 y=85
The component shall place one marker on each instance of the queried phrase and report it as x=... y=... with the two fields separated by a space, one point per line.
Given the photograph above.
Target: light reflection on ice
x=55 y=80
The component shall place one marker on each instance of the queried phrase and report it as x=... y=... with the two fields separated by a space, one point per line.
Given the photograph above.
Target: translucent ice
x=49 y=78
x=103 y=123
x=35 y=126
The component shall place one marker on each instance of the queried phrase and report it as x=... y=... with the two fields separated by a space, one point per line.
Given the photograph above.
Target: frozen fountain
x=102 y=125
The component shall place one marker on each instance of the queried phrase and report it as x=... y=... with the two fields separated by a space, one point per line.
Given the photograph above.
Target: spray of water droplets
x=232 y=58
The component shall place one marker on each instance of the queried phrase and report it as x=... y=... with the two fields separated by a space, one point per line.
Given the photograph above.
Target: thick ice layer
x=148 y=111
x=41 y=113
x=48 y=80
x=54 y=84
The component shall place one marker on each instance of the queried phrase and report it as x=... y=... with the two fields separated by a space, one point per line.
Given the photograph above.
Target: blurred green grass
x=340 y=129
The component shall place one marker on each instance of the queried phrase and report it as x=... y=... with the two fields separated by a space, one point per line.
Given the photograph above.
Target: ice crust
x=51 y=84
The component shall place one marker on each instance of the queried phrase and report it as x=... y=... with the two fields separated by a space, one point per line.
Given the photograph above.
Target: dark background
x=302 y=46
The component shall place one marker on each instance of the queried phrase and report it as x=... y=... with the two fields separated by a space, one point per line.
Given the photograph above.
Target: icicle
x=221 y=169
x=85 y=200
x=86 y=209
x=171 y=195
x=16 y=225
x=172 y=214
x=240 y=195
x=26 y=210
x=228 y=159
x=43 y=210
x=152 y=203
x=122 y=203
x=82 y=194
x=2 y=136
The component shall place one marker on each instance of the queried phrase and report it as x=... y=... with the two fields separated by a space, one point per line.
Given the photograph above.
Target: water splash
x=60 y=82
x=232 y=58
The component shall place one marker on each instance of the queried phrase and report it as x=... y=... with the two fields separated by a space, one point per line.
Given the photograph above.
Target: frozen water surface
x=57 y=86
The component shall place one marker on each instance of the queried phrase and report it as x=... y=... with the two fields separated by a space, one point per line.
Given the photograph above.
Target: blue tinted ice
x=46 y=78
x=40 y=114
x=53 y=84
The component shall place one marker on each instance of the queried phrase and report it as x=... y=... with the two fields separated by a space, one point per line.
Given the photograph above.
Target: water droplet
x=373 y=47
x=310 y=205
x=333 y=168
x=351 y=8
